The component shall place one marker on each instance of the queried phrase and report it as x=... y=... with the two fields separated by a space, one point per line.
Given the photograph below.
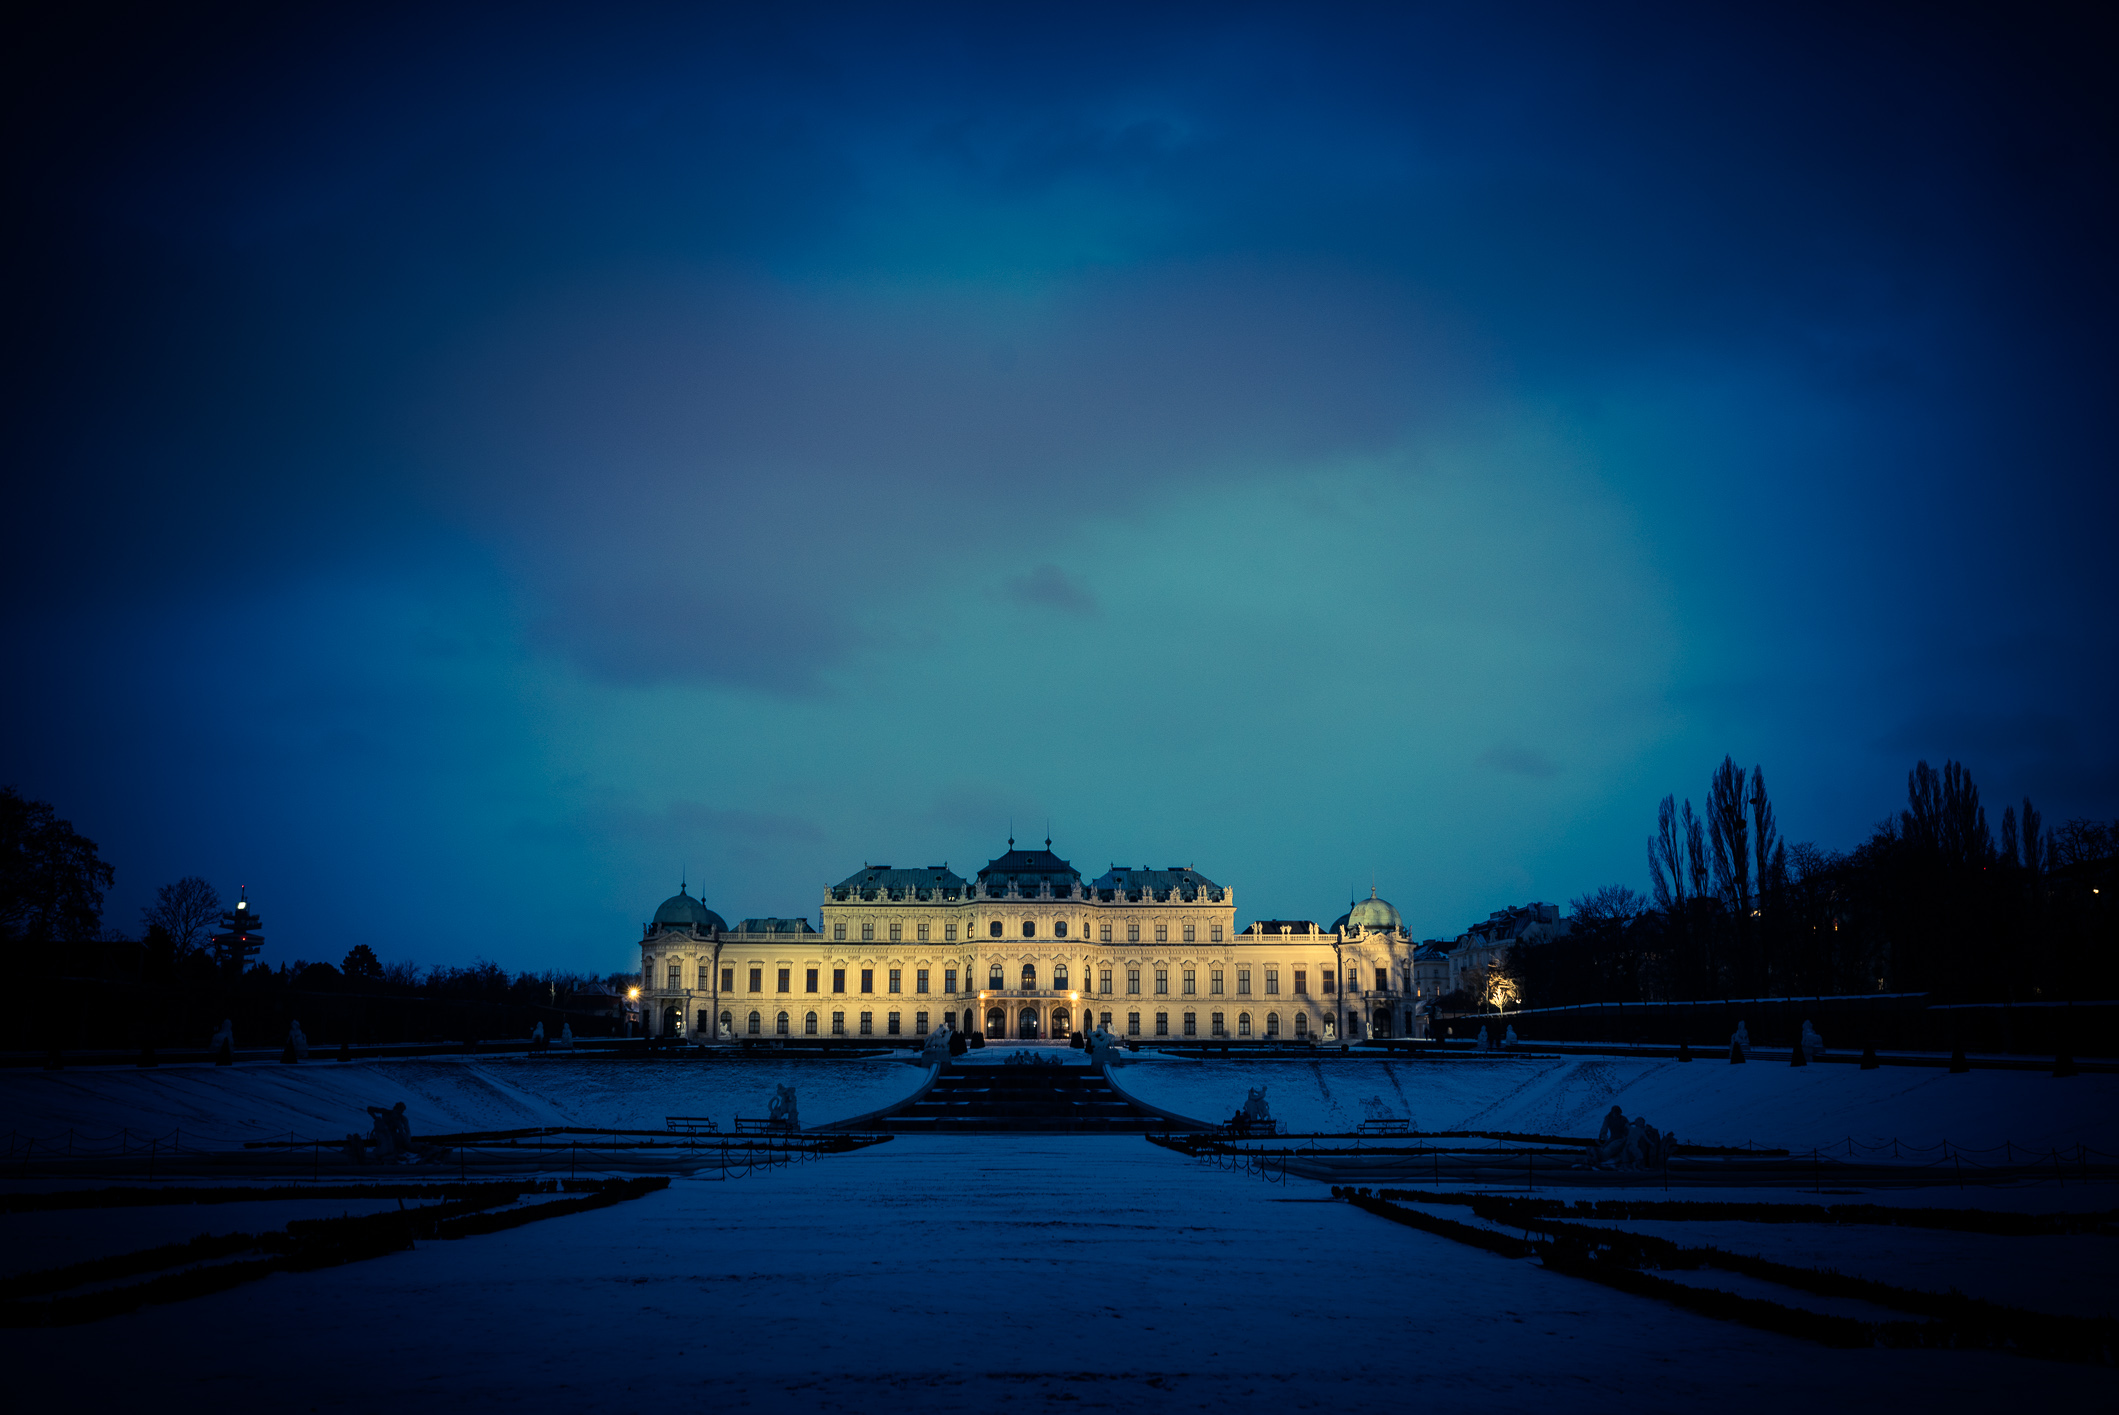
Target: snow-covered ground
x=228 y=1104
x=1703 y=1102
x=974 y=1272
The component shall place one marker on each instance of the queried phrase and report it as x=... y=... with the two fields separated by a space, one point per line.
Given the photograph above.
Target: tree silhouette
x=51 y=883
x=186 y=911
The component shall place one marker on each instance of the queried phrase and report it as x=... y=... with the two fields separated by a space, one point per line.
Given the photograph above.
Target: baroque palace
x=1029 y=951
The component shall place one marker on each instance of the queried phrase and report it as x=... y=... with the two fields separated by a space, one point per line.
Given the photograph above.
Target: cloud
x=1053 y=588
x=1519 y=761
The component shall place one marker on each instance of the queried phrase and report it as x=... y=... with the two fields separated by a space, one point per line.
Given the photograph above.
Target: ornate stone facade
x=1029 y=950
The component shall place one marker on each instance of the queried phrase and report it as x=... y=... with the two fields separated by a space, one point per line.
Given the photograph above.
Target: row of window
x=996 y=980
x=893 y=1024
x=996 y=929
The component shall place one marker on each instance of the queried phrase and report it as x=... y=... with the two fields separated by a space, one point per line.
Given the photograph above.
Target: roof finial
x=1048 y=832
x=1011 y=832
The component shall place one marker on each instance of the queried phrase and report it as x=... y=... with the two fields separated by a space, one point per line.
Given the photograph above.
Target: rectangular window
x=1132 y=1024
x=1214 y=1021
x=1103 y=1020
x=1133 y=982
x=919 y=980
x=728 y=980
x=838 y=931
x=949 y=980
x=838 y=980
x=757 y=980
x=706 y=976
x=1191 y=1024
x=1214 y=933
x=1324 y=979
x=949 y=933
x=1272 y=982
x=809 y=981
x=897 y=931
x=1302 y=983
x=1243 y=982
x=895 y=974
x=1162 y=1024
x=868 y=980
x=891 y=1021
x=868 y=1024
x=1214 y=980
x=1133 y=933
x=1191 y=933
x=1191 y=982
x=838 y=1024
x=1162 y=933
x=1103 y=982
x=868 y=931
x=786 y=976
x=1162 y=982
x=1103 y=933
x=922 y=931
x=919 y=1024
x=676 y=976
x=1383 y=980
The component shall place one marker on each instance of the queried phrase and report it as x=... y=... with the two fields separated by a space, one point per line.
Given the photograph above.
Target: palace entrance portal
x=1026 y=1024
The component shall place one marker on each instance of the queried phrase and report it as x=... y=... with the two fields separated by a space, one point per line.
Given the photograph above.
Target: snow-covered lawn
x=1704 y=1102
x=229 y=1104
x=973 y=1272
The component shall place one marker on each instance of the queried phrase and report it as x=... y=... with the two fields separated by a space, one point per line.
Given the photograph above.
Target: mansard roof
x=887 y=877
x=1139 y=882
x=1029 y=862
x=775 y=926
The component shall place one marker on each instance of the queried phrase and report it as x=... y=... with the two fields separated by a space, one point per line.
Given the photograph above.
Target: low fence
x=1890 y=1021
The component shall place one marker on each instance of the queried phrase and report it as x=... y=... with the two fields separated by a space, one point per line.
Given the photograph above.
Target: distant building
x=1029 y=950
x=1484 y=946
x=241 y=935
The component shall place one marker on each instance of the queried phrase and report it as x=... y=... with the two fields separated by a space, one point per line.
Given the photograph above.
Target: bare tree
x=1728 y=830
x=1666 y=857
x=186 y=911
x=1614 y=903
x=1765 y=839
x=1695 y=851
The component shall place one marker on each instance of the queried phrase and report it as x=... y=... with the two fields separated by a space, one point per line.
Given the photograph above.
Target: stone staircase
x=966 y=1100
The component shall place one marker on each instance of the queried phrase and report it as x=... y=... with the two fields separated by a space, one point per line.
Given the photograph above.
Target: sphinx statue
x=783 y=1112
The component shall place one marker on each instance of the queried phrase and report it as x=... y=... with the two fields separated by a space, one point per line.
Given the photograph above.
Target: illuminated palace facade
x=1028 y=951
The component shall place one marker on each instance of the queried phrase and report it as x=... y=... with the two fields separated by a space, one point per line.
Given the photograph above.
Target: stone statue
x=1811 y=1043
x=782 y=1112
x=1255 y=1109
x=1510 y=1039
x=297 y=1043
x=1741 y=1038
x=936 y=1050
x=537 y=1035
x=566 y=1034
x=1614 y=1126
x=393 y=1133
x=223 y=1044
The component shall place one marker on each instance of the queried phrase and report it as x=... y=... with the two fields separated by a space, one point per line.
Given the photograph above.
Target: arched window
x=1029 y=928
x=1029 y=975
x=1059 y=930
x=995 y=928
x=1272 y=1024
x=809 y=1024
x=996 y=1022
x=1302 y=1025
x=1059 y=972
x=728 y=1022
x=1243 y=1024
x=780 y=1027
x=757 y=1024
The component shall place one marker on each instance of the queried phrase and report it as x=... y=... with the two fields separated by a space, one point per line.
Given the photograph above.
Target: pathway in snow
x=943 y=1274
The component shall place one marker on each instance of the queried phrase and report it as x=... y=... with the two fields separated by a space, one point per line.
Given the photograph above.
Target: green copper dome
x=1374 y=913
x=680 y=911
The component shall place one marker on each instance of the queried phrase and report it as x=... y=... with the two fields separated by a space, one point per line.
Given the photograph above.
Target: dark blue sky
x=466 y=466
